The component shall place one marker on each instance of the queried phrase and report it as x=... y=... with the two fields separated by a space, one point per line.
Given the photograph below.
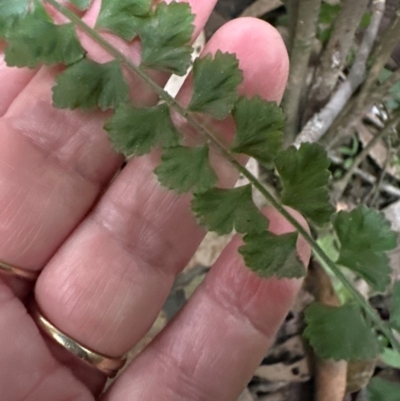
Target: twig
x=261 y=7
x=351 y=116
x=362 y=395
x=308 y=13
x=381 y=56
x=372 y=197
x=320 y=122
x=292 y=8
x=363 y=102
x=382 y=92
x=368 y=94
x=334 y=55
x=330 y=375
x=371 y=179
x=342 y=184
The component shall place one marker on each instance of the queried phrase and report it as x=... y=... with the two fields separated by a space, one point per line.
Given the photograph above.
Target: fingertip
x=261 y=52
x=264 y=301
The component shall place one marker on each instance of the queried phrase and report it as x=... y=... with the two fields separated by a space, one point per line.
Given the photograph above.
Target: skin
x=109 y=246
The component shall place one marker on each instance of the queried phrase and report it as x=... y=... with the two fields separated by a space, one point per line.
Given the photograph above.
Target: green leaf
x=123 y=16
x=383 y=390
x=391 y=357
x=166 y=37
x=136 y=131
x=339 y=333
x=328 y=13
x=10 y=12
x=304 y=173
x=221 y=210
x=88 y=84
x=365 y=236
x=35 y=39
x=269 y=255
x=183 y=169
x=215 y=83
x=395 y=309
x=82 y=4
x=259 y=126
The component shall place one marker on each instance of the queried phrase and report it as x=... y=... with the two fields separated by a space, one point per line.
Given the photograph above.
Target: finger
x=28 y=371
x=107 y=284
x=32 y=373
x=55 y=163
x=13 y=81
x=210 y=350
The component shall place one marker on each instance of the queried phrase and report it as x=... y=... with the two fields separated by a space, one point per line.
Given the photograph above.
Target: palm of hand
x=109 y=261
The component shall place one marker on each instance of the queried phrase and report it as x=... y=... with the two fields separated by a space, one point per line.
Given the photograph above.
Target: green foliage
x=215 y=83
x=365 y=236
x=393 y=102
x=269 y=255
x=184 y=169
x=135 y=131
x=305 y=178
x=327 y=16
x=35 y=39
x=259 y=128
x=88 y=84
x=166 y=31
x=123 y=17
x=166 y=38
x=221 y=210
x=10 y=12
x=328 y=13
x=339 y=333
x=351 y=150
x=395 y=309
x=391 y=357
x=383 y=390
x=82 y=4
x=365 y=20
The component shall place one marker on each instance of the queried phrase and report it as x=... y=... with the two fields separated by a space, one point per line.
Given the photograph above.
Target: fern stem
x=322 y=257
x=319 y=253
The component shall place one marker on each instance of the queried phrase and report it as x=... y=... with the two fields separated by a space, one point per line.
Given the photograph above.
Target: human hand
x=108 y=250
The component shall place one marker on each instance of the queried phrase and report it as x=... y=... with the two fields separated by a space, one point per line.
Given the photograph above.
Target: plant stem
x=317 y=126
x=292 y=9
x=330 y=375
x=342 y=184
x=231 y=158
x=371 y=179
x=335 y=53
x=381 y=57
x=306 y=26
x=142 y=74
x=261 y=7
x=351 y=116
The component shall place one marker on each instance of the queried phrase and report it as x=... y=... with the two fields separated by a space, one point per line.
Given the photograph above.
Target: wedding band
x=18 y=272
x=108 y=365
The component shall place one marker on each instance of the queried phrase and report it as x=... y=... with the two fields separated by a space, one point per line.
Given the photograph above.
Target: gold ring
x=108 y=365
x=18 y=272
